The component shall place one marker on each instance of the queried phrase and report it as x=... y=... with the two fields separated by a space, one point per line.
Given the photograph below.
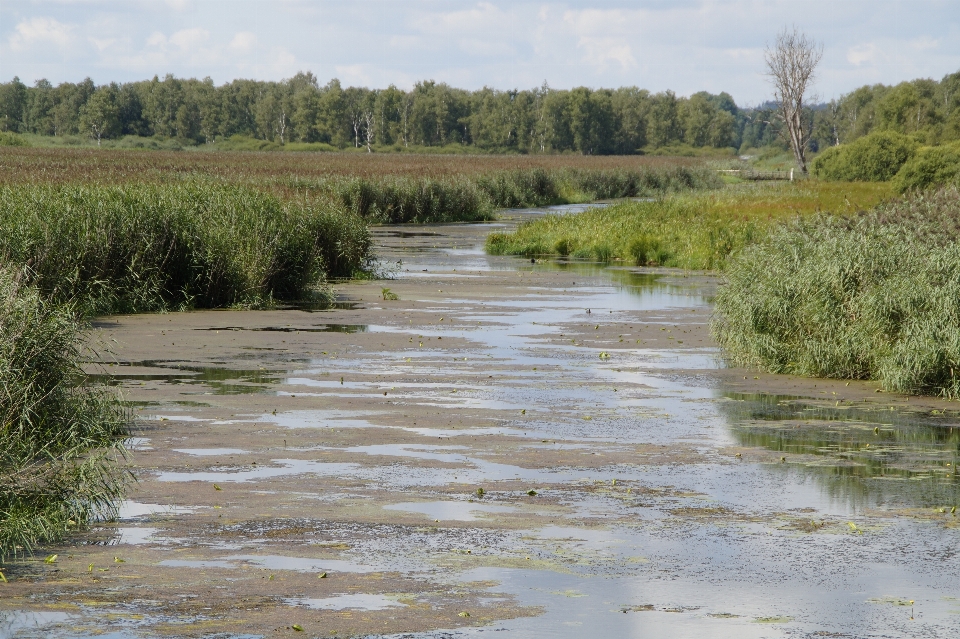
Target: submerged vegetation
x=687 y=230
x=872 y=296
x=61 y=445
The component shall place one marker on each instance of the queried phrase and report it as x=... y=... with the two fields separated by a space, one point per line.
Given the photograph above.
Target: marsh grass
x=873 y=296
x=135 y=248
x=380 y=188
x=471 y=198
x=61 y=441
x=686 y=230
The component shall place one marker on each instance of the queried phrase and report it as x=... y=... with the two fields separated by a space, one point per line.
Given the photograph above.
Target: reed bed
x=687 y=230
x=380 y=188
x=136 y=248
x=86 y=166
x=873 y=296
x=61 y=444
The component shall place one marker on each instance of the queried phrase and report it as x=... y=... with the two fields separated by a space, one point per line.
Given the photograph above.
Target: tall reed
x=61 y=442
x=134 y=248
x=875 y=296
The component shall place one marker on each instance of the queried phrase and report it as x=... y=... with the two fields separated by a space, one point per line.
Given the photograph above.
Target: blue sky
x=683 y=45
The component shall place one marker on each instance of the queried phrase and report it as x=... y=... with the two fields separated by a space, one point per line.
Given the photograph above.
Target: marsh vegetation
x=693 y=230
x=61 y=444
x=868 y=296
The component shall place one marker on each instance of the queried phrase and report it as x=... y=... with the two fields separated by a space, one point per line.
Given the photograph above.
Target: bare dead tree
x=791 y=64
x=369 y=121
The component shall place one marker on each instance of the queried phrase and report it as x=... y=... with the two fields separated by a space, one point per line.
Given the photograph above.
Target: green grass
x=693 y=230
x=61 y=442
x=874 y=296
x=136 y=248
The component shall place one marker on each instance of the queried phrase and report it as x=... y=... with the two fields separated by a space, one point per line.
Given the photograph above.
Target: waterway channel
x=508 y=448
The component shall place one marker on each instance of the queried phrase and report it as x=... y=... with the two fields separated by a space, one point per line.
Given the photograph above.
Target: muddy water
x=542 y=450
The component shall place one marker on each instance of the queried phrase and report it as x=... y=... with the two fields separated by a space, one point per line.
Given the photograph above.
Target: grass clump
x=873 y=158
x=61 y=442
x=874 y=296
x=395 y=200
x=135 y=248
x=687 y=230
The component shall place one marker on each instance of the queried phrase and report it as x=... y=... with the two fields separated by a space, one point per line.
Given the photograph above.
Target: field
x=695 y=230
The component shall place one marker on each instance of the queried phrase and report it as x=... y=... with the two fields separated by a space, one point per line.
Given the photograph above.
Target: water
x=642 y=522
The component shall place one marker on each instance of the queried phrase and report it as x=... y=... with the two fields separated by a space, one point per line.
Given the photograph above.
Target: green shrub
x=61 y=444
x=8 y=138
x=873 y=158
x=932 y=166
x=871 y=297
x=150 y=247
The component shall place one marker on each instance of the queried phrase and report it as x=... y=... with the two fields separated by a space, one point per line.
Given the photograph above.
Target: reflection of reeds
x=859 y=454
x=876 y=296
x=61 y=442
x=149 y=247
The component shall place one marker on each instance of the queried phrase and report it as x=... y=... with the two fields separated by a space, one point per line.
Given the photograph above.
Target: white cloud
x=684 y=45
x=41 y=30
x=101 y=44
x=862 y=54
x=925 y=43
x=243 y=41
x=481 y=18
x=187 y=39
x=157 y=39
x=601 y=52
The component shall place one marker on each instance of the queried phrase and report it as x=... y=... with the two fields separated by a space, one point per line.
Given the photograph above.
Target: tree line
x=541 y=120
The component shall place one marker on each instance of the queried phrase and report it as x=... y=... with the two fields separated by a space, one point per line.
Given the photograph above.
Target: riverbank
x=281 y=445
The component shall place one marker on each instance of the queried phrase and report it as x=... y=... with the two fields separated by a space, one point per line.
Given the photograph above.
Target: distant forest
x=542 y=120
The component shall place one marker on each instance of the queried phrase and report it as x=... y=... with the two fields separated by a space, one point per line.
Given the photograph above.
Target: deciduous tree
x=791 y=64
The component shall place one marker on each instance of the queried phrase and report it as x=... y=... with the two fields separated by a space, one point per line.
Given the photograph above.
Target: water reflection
x=869 y=455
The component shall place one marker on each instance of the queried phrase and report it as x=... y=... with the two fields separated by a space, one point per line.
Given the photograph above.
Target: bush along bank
x=874 y=296
x=61 y=442
x=137 y=248
x=471 y=198
x=886 y=155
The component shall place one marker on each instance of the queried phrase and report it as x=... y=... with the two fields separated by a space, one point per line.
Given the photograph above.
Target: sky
x=682 y=45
